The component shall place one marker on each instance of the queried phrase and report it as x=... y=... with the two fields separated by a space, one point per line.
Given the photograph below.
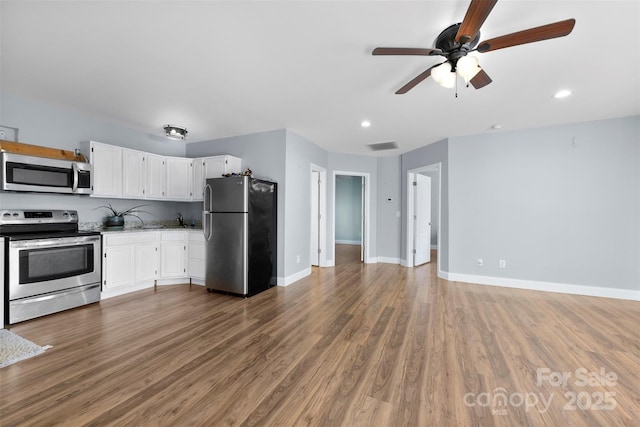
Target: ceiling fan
x=458 y=40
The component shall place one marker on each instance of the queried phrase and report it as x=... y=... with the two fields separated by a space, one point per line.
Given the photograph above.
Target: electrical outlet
x=298 y=259
x=502 y=263
x=479 y=262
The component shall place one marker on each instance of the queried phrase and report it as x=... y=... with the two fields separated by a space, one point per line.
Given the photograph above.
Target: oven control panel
x=20 y=216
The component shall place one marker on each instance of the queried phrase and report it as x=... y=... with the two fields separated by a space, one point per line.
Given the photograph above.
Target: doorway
x=423 y=214
x=351 y=216
x=318 y=229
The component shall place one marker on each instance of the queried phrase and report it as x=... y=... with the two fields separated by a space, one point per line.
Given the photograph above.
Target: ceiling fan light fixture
x=175 y=132
x=443 y=75
x=467 y=68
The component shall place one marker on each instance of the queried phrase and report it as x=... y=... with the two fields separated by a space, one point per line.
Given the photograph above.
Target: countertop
x=137 y=227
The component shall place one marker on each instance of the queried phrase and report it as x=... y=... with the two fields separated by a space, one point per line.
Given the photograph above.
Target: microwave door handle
x=74 y=168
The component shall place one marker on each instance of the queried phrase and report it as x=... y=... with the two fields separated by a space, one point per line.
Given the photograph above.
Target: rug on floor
x=14 y=348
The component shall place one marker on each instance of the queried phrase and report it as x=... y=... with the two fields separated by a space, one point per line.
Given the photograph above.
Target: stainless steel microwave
x=40 y=174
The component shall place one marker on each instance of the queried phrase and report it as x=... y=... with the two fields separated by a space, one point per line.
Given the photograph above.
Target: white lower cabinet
x=137 y=260
x=145 y=262
x=196 y=266
x=129 y=262
x=173 y=254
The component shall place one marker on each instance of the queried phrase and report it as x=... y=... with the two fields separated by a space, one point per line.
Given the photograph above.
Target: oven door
x=41 y=266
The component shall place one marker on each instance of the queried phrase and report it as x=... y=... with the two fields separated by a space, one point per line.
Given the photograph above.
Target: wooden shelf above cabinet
x=39 y=151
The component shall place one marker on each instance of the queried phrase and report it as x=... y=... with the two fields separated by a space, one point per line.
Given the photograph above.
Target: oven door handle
x=52 y=243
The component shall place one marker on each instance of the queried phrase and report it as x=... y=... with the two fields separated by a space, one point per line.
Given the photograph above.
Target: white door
x=315 y=218
x=422 y=220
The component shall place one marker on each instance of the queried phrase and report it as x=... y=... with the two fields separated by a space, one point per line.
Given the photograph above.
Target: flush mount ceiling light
x=365 y=123
x=175 y=132
x=562 y=93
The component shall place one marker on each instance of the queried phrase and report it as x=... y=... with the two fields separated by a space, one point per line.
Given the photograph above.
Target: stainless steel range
x=50 y=266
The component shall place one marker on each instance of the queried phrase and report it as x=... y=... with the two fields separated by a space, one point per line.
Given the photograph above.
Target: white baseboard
x=564 y=288
x=330 y=263
x=389 y=260
x=125 y=290
x=348 y=242
x=286 y=281
x=434 y=246
x=405 y=263
x=172 y=281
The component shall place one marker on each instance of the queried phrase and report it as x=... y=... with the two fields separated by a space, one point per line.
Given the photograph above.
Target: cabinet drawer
x=129 y=238
x=196 y=236
x=172 y=236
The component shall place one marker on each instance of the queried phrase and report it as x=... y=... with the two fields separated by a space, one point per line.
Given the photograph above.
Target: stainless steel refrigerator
x=239 y=222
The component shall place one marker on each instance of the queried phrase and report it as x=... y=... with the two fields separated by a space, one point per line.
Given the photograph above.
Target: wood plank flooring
x=354 y=345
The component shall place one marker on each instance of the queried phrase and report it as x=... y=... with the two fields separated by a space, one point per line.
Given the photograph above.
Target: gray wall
x=264 y=154
x=51 y=126
x=57 y=127
x=560 y=204
x=348 y=209
x=300 y=153
x=284 y=157
x=437 y=152
x=389 y=223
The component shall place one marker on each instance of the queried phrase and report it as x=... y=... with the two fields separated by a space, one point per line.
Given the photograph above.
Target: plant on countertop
x=116 y=217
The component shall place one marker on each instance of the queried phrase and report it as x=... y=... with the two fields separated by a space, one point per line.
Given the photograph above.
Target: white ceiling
x=224 y=68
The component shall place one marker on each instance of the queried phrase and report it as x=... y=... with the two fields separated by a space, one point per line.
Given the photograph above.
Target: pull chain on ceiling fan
x=458 y=40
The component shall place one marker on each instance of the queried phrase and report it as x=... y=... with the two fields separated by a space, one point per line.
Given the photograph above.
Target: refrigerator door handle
x=208 y=193
x=206 y=229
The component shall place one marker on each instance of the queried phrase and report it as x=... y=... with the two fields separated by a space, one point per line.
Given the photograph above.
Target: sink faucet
x=180 y=220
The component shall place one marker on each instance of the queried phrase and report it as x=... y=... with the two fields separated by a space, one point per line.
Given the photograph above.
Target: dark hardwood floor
x=354 y=345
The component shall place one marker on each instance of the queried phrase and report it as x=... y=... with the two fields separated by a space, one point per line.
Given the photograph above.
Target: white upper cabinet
x=179 y=178
x=156 y=177
x=133 y=174
x=107 y=169
x=198 y=179
x=216 y=166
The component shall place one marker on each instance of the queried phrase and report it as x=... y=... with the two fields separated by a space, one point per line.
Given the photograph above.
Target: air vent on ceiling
x=379 y=146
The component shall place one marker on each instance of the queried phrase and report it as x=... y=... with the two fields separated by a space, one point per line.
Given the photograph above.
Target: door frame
x=435 y=167
x=322 y=210
x=366 y=237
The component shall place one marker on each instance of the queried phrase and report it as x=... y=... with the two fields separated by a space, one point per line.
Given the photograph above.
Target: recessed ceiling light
x=562 y=93
x=496 y=126
x=365 y=123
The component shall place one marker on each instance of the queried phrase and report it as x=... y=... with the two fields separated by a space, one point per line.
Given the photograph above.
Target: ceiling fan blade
x=544 y=32
x=474 y=18
x=414 y=82
x=480 y=80
x=405 y=51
